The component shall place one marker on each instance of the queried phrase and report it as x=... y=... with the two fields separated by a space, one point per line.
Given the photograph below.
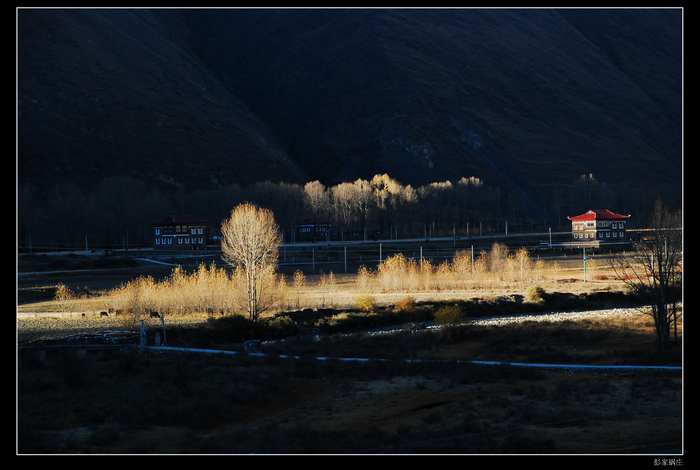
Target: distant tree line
x=119 y=210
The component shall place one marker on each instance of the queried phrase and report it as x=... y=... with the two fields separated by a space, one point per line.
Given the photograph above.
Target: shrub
x=63 y=292
x=299 y=279
x=392 y=272
x=281 y=326
x=449 y=314
x=364 y=276
x=206 y=289
x=366 y=303
x=535 y=295
x=406 y=304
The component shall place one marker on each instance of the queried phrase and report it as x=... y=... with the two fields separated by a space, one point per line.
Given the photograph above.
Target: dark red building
x=599 y=224
x=180 y=232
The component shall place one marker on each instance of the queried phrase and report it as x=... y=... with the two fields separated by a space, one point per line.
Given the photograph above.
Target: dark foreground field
x=131 y=402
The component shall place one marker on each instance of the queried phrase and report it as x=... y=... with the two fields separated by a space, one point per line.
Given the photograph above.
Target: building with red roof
x=599 y=224
x=180 y=232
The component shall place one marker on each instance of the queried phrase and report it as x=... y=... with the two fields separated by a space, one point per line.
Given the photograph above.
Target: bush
x=363 y=278
x=366 y=303
x=448 y=315
x=535 y=295
x=282 y=326
x=406 y=304
x=299 y=279
x=63 y=292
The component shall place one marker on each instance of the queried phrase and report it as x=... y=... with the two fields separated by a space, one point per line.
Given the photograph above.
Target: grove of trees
x=118 y=211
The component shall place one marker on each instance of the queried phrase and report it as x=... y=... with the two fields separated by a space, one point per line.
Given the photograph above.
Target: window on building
x=158 y=231
x=157 y=241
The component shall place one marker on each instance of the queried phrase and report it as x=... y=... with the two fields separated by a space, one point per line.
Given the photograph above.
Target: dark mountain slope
x=527 y=100
x=106 y=93
x=523 y=99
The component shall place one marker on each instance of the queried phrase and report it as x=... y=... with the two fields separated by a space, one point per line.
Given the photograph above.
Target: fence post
x=472 y=259
x=162 y=325
x=142 y=336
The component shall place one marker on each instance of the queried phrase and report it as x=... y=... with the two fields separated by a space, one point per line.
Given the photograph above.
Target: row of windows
x=591 y=235
x=180 y=241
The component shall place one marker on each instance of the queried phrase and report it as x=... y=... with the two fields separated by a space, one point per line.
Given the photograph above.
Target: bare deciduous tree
x=316 y=199
x=654 y=271
x=250 y=240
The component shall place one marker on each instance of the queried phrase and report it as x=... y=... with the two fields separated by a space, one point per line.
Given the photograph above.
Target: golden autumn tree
x=250 y=240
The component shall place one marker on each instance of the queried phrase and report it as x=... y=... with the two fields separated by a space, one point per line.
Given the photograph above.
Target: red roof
x=598 y=214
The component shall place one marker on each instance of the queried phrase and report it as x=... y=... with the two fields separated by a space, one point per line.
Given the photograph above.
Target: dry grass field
x=194 y=296
x=112 y=401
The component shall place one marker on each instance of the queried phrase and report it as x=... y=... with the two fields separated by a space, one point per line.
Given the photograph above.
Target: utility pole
x=550 y=237
x=467 y=229
x=380 y=253
x=421 y=256
x=506 y=228
x=584 y=265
